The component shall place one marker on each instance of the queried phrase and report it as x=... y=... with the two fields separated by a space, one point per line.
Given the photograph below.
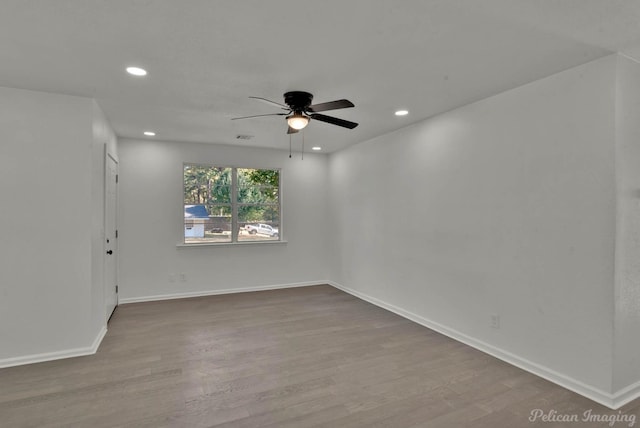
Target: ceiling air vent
x=244 y=137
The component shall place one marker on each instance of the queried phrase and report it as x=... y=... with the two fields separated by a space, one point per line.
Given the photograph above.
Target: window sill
x=228 y=244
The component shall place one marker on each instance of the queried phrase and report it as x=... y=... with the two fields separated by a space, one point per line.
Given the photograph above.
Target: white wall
x=151 y=222
x=45 y=224
x=505 y=206
x=627 y=285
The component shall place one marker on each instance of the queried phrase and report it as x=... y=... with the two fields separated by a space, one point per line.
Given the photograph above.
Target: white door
x=110 y=236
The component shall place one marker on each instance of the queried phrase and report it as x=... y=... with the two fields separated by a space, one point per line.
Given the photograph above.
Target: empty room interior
x=334 y=214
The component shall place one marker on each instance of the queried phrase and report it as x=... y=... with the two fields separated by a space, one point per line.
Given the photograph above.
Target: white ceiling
x=206 y=57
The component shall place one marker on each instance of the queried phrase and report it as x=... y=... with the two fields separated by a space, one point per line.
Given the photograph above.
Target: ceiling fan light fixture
x=297 y=121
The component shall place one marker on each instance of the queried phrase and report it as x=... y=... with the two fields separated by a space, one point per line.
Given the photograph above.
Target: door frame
x=107 y=287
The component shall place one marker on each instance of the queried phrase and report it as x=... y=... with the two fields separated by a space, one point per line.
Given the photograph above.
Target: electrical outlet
x=183 y=277
x=495 y=321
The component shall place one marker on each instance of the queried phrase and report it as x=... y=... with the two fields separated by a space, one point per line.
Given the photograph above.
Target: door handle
x=110 y=252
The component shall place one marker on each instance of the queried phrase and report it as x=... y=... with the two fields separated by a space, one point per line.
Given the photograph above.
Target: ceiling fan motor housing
x=298 y=100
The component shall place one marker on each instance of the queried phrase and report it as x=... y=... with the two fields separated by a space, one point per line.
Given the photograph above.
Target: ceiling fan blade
x=331 y=105
x=282 y=106
x=334 y=120
x=292 y=131
x=259 y=115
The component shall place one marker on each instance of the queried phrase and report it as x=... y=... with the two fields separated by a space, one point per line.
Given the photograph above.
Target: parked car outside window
x=262 y=229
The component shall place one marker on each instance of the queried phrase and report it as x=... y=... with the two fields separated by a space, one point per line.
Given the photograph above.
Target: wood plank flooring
x=303 y=357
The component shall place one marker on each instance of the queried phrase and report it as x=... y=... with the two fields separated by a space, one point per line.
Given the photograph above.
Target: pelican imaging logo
x=612 y=419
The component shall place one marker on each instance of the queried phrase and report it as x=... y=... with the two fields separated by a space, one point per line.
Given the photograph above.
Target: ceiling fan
x=299 y=111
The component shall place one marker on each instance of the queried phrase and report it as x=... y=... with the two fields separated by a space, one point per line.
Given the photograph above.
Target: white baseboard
x=57 y=355
x=613 y=401
x=626 y=395
x=189 y=294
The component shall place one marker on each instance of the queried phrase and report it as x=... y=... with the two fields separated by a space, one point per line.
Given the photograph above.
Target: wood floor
x=304 y=357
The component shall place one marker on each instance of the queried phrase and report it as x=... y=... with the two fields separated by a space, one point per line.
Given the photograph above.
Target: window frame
x=234 y=208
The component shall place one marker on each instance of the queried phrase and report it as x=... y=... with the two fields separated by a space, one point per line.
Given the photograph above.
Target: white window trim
x=226 y=244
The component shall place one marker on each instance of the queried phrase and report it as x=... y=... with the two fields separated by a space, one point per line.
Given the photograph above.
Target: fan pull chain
x=289 y=146
x=303 y=144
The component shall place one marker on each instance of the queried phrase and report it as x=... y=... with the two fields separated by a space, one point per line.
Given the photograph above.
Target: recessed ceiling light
x=149 y=133
x=402 y=112
x=316 y=148
x=136 y=71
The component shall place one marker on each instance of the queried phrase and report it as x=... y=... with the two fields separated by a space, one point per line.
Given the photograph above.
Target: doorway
x=111 y=236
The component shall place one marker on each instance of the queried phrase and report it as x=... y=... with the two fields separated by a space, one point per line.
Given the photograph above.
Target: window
x=230 y=204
